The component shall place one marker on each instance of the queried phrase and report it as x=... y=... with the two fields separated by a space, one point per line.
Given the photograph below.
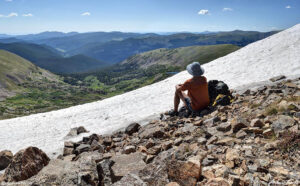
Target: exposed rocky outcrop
x=25 y=164
x=253 y=141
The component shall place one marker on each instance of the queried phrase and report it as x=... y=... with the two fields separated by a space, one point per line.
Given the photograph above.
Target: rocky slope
x=15 y=70
x=253 y=141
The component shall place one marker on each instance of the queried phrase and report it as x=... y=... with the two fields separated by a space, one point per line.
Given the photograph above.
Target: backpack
x=219 y=93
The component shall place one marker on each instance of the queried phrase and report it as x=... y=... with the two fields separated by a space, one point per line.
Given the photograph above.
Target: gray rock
x=82 y=148
x=241 y=134
x=283 y=122
x=178 y=141
x=212 y=121
x=132 y=128
x=277 y=78
x=76 y=131
x=81 y=129
x=238 y=124
x=151 y=131
x=125 y=164
x=82 y=172
x=202 y=140
x=105 y=173
x=129 y=149
x=224 y=127
x=130 y=180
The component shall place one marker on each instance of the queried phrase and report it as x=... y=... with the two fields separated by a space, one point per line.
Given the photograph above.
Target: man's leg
x=179 y=95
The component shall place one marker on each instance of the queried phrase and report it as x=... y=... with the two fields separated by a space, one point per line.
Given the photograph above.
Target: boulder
x=25 y=164
x=224 y=127
x=82 y=148
x=132 y=128
x=59 y=172
x=155 y=173
x=282 y=122
x=105 y=173
x=185 y=173
x=152 y=132
x=76 y=131
x=131 y=180
x=125 y=164
x=238 y=123
x=5 y=159
x=81 y=129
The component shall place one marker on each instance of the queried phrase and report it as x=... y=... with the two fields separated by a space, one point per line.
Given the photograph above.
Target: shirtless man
x=197 y=87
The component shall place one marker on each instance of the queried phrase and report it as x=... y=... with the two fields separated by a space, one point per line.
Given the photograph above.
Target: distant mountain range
x=50 y=59
x=116 y=51
x=80 y=52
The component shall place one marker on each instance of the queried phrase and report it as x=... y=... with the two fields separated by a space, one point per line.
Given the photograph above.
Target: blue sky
x=33 y=16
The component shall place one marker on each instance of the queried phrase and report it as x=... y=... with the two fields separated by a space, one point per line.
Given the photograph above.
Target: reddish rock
x=5 y=159
x=25 y=164
x=256 y=123
x=217 y=182
x=173 y=184
x=185 y=173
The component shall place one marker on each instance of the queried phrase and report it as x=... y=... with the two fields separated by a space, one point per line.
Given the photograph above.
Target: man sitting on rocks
x=197 y=87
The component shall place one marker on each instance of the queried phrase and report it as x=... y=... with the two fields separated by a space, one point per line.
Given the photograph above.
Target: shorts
x=189 y=104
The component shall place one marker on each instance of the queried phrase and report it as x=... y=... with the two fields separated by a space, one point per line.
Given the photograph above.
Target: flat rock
x=283 y=122
x=224 y=127
x=125 y=164
x=130 y=180
x=277 y=78
x=151 y=132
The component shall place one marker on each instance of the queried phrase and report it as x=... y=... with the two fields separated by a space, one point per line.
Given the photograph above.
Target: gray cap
x=195 y=69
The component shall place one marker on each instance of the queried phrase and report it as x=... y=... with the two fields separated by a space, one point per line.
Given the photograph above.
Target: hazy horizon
x=19 y=17
x=161 y=33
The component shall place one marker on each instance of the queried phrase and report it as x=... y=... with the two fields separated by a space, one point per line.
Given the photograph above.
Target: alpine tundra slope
x=276 y=55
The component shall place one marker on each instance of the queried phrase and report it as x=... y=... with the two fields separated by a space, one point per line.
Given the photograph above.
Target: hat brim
x=189 y=69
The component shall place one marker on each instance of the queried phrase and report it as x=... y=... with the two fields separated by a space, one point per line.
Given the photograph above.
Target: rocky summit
x=255 y=140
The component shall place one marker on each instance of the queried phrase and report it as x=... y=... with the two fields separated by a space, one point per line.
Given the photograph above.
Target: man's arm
x=182 y=87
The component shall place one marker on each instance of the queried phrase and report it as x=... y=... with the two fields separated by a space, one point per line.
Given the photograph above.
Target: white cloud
x=227 y=9
x=203 y=12
x=27 y=15
x=86 y=14
x=8 y=0
x=13 y=14
x=288 y=6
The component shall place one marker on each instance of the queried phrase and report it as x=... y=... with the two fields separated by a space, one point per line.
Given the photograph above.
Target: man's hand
x=178 y=87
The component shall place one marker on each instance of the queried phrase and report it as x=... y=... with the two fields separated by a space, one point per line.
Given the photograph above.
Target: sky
x=34 y=16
